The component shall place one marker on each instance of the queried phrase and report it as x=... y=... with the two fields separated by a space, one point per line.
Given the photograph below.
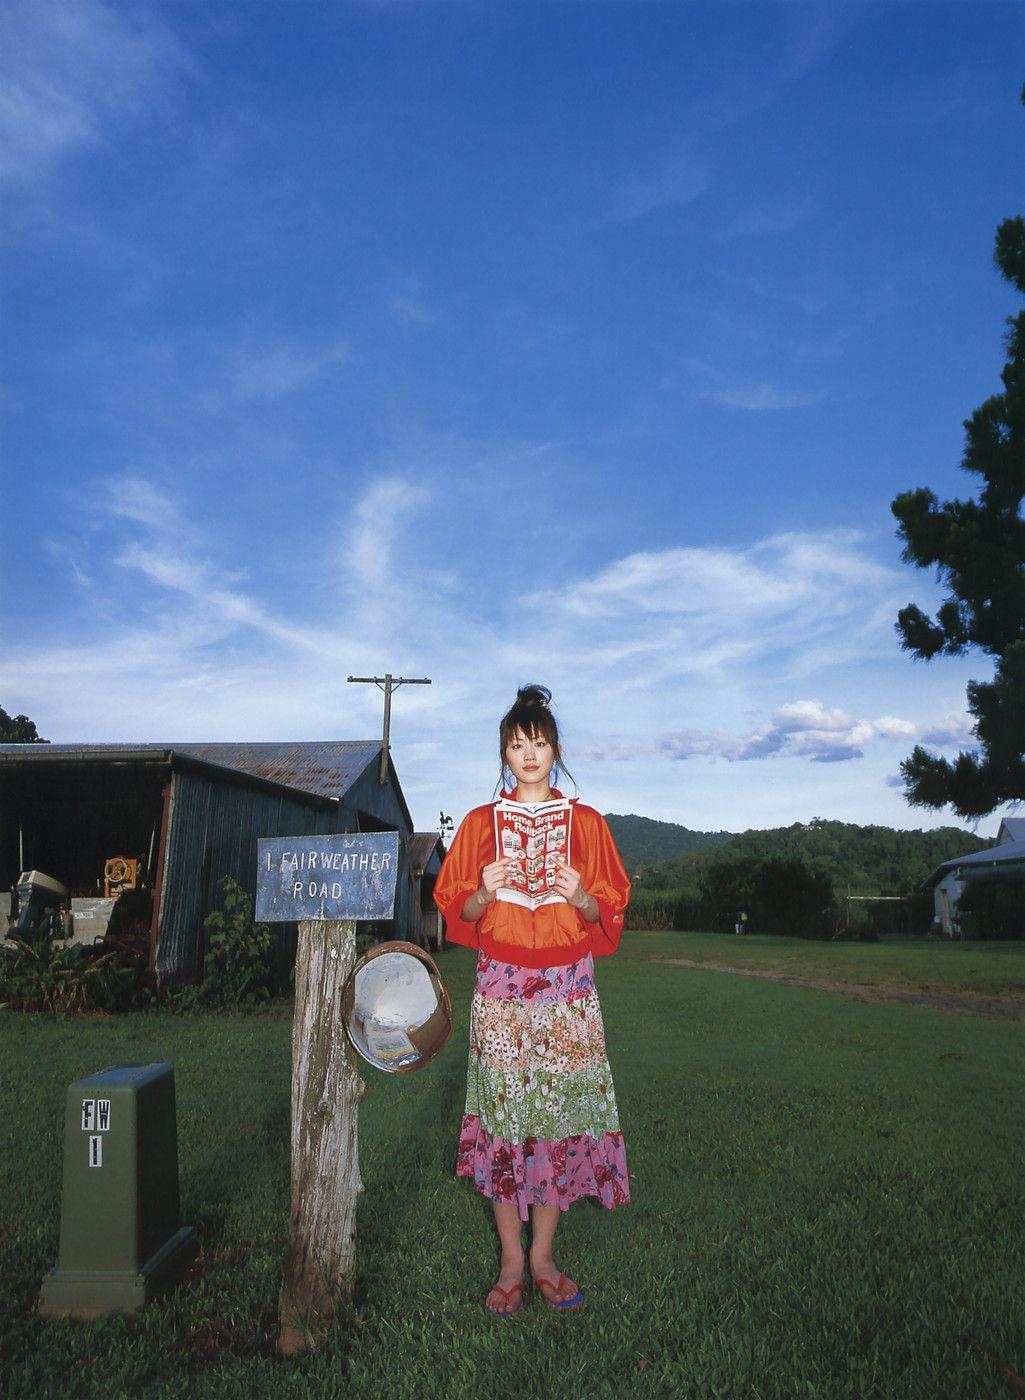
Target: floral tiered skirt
x=540 y=1125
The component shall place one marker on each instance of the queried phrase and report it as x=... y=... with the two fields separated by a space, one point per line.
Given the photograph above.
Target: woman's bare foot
x=551 y=1281
x=510 y=1282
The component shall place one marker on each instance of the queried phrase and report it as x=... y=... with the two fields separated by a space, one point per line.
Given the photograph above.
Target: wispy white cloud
x=659 y=655
x=166 y=566
x=771 y=220
x=267 y=371
x=406 y=301
x=137 y=499
x=766 y=396
x=411 y=311
x=734 y=589
x=189 y=647
x=73 y=71
x=368 y=552
x=810 y=303
x=678 y=180
x=724 y=384
x=684 y=172
x=58 y=550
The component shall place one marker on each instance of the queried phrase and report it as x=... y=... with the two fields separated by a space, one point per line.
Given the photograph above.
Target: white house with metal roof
x=948 y=880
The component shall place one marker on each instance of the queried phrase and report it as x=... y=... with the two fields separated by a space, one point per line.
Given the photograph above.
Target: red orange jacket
x=553 y=934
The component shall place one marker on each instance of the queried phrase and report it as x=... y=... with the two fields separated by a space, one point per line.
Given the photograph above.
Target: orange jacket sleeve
x=604 y=876
x=472 y=848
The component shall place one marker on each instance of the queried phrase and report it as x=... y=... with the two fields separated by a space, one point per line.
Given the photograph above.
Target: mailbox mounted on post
x=121 y=1239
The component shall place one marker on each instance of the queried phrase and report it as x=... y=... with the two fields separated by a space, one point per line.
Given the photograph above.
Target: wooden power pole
x=387 y=683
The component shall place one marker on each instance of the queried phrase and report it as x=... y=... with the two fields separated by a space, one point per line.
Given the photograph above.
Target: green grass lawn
x=828 y=1199
x=933 y=965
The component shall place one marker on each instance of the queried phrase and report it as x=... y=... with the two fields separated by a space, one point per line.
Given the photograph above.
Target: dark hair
x=531 y=712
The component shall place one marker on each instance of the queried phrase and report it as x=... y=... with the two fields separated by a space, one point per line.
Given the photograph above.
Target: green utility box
x=121 y=1239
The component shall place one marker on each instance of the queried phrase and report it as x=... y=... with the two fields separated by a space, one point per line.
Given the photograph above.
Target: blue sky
x=582 y=343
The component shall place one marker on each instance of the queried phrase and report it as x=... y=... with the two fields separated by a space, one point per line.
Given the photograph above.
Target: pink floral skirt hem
x=542 y=1172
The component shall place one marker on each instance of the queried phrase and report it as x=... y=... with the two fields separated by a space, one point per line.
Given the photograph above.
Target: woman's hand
x=569 y=884
x=493 y=878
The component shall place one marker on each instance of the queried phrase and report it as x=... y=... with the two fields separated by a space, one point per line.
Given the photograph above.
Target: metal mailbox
x=121 y=1236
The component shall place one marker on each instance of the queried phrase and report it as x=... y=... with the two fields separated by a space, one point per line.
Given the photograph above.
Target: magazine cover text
x=535 y=838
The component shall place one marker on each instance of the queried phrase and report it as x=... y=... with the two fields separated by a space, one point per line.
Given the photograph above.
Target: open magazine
x=534 y=835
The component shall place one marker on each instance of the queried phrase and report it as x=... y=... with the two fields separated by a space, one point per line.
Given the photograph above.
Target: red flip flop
x=507 y=1294
x=561 y=1303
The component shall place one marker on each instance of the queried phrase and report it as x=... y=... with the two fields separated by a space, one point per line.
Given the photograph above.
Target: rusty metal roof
x=324 y=768
x=327 y=768
x=422 y=845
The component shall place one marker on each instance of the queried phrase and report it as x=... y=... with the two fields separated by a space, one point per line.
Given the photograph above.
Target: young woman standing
x=540 y=1127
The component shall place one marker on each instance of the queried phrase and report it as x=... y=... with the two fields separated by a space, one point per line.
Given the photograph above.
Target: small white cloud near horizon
x=955 y=730
x=801 y=728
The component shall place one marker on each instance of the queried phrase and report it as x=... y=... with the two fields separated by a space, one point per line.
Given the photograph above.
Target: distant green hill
x=869 y=859
x=643 y=841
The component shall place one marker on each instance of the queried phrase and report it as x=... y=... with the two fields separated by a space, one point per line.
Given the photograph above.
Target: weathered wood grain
x=320 y=1261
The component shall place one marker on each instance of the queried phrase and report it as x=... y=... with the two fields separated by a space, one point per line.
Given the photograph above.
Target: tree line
x=795 y=880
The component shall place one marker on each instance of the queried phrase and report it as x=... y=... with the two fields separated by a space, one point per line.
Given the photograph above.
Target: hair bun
x=534 y=695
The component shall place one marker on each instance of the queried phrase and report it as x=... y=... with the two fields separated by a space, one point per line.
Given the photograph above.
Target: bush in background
x=779 y=895
x=242 y=967
x=71 y=979
x=992 y=909
x=871 y=920
x=651 y=909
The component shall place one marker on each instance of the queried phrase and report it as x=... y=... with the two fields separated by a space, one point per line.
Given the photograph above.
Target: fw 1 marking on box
x=95 y=1115
x=345 y=876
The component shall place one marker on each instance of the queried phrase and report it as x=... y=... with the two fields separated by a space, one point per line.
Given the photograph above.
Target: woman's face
x=531 y=760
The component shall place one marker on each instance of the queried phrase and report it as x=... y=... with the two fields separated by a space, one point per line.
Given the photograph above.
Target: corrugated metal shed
x=425 y=851
x=323 y=768
x=218 y=798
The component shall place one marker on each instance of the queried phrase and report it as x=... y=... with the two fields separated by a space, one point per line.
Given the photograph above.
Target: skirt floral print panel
x=540 y=1125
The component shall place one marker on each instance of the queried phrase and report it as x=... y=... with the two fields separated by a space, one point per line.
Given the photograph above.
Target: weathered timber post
x=325 y=884
x=321 y=1260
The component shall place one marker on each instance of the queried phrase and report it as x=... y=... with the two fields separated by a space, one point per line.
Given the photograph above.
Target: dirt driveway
x=963 y=1003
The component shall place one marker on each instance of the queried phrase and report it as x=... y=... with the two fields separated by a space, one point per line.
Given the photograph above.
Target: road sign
x=345 y=876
